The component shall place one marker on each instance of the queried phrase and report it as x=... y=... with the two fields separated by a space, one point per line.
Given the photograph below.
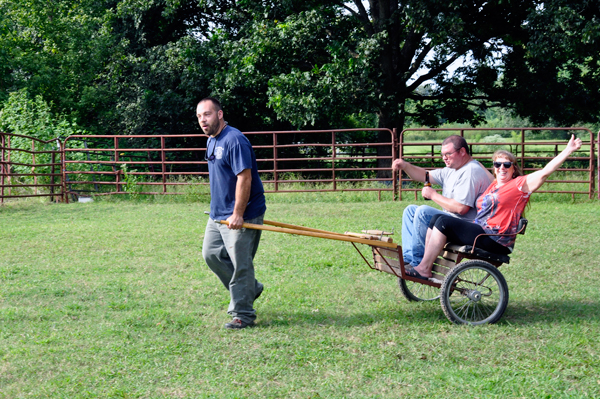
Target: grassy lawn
x=111 y=299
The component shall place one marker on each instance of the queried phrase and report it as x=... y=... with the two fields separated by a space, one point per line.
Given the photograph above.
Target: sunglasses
x=507 y=165
x=212 y=156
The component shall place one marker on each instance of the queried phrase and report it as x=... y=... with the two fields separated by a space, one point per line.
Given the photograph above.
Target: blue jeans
x=415 y=221
x=230 y=255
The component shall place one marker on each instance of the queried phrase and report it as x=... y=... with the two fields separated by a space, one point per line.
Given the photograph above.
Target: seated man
x=463 y=180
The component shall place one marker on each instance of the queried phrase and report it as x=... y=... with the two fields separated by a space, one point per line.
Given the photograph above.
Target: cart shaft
x=303 y=231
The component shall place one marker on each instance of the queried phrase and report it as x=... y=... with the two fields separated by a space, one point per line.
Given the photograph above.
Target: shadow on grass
x=559 y=311
x=517 y=313
x=417 y=313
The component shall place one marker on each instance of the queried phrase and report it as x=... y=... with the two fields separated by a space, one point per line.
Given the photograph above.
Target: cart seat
x=483 y=254
x=479 y=253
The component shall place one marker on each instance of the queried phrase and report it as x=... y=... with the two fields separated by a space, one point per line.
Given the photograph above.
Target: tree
x=114 y=66
x=140 y=66
x=51 y=49
x=391 y=58
x=155 y=70
x=555 y=74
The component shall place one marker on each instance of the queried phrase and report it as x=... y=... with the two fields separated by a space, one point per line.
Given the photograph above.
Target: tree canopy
x=140 y=66
x=555 y=75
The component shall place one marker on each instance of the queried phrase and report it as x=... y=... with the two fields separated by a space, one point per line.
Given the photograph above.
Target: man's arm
x=463 y=188
x=448 y=204
x=414 y=172
x=417 y=173
x=242 y=195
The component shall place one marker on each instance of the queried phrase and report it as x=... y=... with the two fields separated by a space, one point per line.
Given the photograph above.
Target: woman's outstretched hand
x=574 y=144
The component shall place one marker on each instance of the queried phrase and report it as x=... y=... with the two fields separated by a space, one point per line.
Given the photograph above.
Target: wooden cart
x=470 y=292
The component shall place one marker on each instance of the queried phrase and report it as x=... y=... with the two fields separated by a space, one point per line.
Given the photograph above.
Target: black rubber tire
x=474 y=293
x=417 y=292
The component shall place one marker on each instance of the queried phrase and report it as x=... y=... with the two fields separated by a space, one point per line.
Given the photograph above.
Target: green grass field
x=111 y=299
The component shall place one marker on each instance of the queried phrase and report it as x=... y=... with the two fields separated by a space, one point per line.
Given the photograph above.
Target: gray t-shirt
x=464 y=185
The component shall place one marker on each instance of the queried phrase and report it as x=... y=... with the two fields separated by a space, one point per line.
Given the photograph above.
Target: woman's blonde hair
x=512 y=158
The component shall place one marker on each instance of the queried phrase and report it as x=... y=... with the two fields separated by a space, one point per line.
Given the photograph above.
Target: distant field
x=415 y=148
x=111 y=299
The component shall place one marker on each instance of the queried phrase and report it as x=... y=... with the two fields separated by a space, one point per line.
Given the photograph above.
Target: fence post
x=394 y=157
x=333 y=160
x=523 y=151
x=275 y=173
x=7 y=167
x=400 y=155
x=592 y=167
x=1 y=168
x=52 y=171
x=59 y=146
x=35 y=188
x=163 y=159
x=117 y=169
x=63 y=168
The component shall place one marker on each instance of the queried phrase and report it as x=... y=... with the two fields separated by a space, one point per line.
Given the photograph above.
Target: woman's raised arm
x=535 y=180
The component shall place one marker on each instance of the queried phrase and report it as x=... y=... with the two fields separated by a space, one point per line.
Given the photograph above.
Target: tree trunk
x=389 y=119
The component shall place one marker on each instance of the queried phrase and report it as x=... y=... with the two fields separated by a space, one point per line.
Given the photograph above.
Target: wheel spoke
x=418 y=292
x=465 y=309
x=482 y=311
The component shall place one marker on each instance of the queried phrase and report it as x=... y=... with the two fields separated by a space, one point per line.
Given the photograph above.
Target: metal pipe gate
x=289 y=161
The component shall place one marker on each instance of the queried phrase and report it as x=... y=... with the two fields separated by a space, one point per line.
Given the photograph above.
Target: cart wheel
x=418 y=292
x=474 y=292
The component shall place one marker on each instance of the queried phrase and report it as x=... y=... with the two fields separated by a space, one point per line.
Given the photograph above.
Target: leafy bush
x=21 y=114
x=25 y=116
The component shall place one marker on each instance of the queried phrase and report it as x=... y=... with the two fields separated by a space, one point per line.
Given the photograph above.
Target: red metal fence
x=532 y=154
x=29 y=167
x=289 y=161
x=142 y=164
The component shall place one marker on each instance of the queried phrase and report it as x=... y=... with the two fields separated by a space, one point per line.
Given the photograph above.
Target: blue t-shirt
x=233 y=153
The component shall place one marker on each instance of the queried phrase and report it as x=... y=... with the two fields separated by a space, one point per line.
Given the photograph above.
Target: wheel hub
x=474 y=295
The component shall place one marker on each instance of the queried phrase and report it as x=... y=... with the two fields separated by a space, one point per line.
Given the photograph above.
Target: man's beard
x=212 y=129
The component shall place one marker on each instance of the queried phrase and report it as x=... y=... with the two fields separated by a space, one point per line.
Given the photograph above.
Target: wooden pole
x=328 y=235
x=291 y=226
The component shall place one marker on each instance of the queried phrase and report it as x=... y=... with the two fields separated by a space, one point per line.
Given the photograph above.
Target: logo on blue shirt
x=219 y=152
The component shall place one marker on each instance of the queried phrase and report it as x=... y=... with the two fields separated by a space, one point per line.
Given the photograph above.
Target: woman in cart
x=498 y=210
